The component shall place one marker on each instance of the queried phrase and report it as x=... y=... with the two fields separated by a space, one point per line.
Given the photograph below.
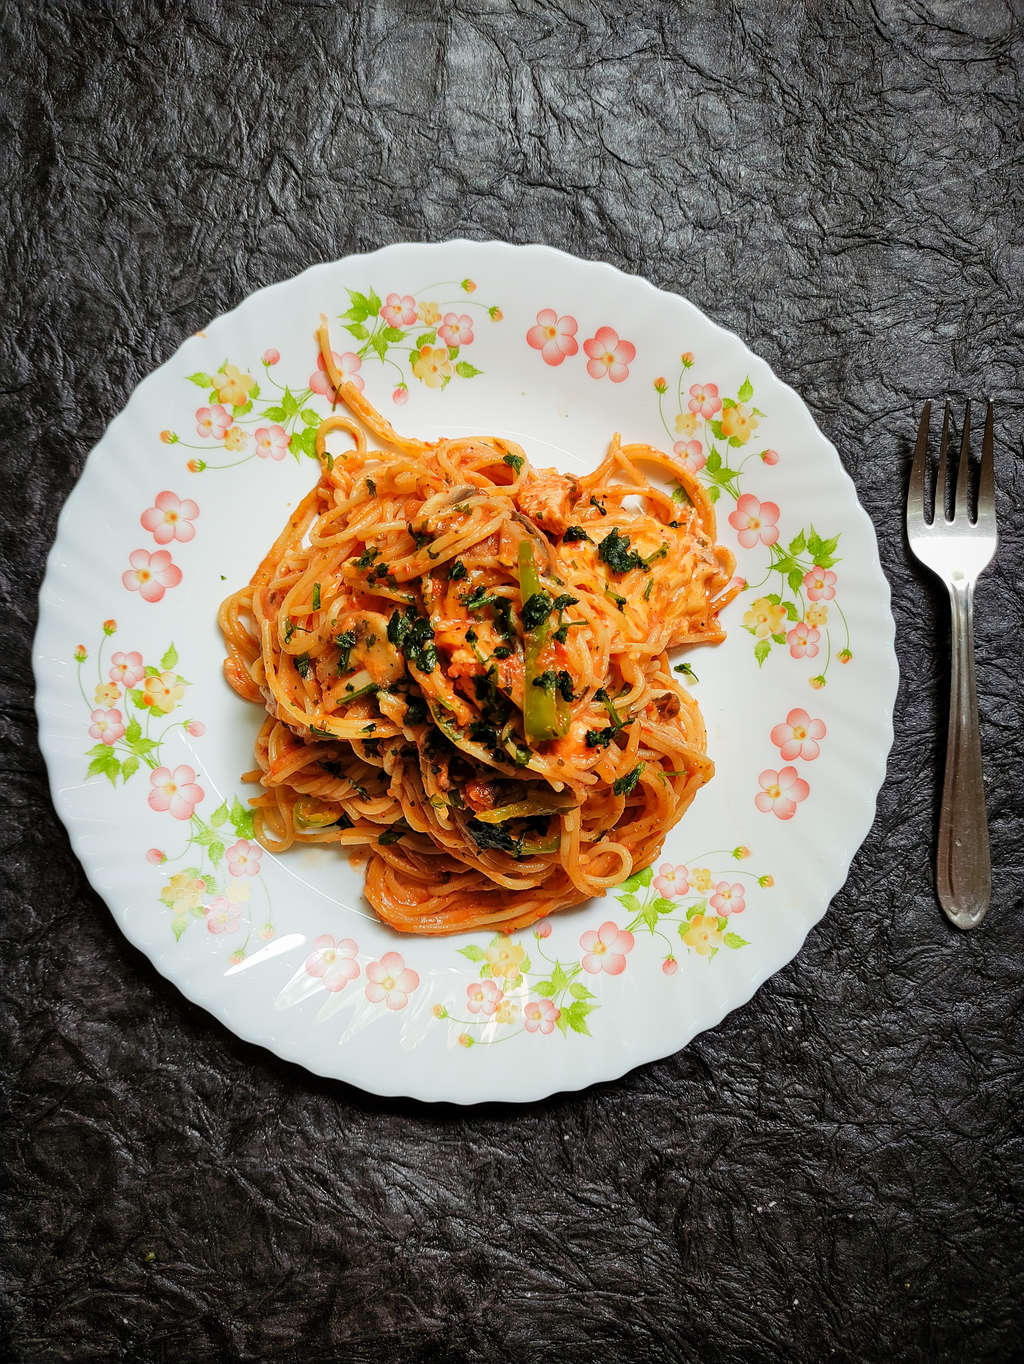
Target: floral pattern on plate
x=704 y=425
x=512 y=991
x=131 y=700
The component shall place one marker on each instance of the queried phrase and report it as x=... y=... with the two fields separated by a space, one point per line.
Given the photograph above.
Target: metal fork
x=958 y=549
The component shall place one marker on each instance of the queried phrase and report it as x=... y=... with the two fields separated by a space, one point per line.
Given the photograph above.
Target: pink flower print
x=175 y=791
x=798 y=736
x=669 y=966
x=609 y=355
x=820 y=584
x=456 y=330
x=222 y=915
x=704 y=400
x=126 y=668
x=553 y=336
x=213 y=422
x=271 y=441
x=606 y=949
x=770 y=456
x=155 y=857
x=107 y=726
x=399 y=310
x=540 y=1015
x=333 y=962
x=348 y=363
x=151 y=574
x=401 y=395
x=391 y=981
x=542 y=928
x=244 y=858
x=171 y=518
x=753 y=521
x=781 y=792
x=672 y=882
x=483 y=997
x=271 y=356
x=803 y=640
x=196 y=728
x=728 y=899
x=691 y=453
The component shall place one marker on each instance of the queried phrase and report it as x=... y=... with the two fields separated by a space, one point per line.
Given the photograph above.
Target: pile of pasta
x=464 y=663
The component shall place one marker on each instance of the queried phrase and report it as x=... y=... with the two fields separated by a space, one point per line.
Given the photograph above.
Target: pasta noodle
x=464 y=666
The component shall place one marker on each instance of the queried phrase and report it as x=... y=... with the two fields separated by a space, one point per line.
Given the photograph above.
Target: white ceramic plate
x=145 y=743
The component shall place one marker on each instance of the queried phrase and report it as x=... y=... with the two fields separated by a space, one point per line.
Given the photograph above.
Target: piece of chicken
x=547 y=498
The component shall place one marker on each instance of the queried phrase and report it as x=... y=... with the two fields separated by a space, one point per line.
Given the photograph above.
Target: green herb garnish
x=622 y=786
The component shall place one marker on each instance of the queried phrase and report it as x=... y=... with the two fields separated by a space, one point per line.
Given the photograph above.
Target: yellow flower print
x=702 y=936
x=107 y=694
x=701 y=878
x=817 y=614
x=764 y=618
x=506 y=1012
x=738 y=422
x=183 y=892
x=162 y=693
x=235 y=438
x=686 y=423
x=233 y=386
x=429 y=313
x=432 y=366
x=504 y=957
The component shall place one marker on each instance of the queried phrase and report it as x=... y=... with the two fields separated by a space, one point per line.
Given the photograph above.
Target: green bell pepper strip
x=546 y=715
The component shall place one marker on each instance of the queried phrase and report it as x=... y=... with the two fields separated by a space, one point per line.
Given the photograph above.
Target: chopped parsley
x=503 y=617
x=601 y=738
x=421 y=537
x=345 y=642
x=574 y=533
x=614 y=550
x=414 y=635
x=515 y=462
x=457 y=571
x=367 y=557
x=478 y=599
x=502 y=651
x=547 y=680
x=316 y=596
x=687 y=671
x=371 y=487
x=289 y=630
x=391 y=835
x=599 y=505
x=536 y=610
x=648 y=589
x=619 y=601
x=622 y=786
x=564 y=601
x=302 y=665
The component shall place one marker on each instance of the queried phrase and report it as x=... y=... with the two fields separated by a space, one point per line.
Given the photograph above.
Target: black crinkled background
x=835 y=1173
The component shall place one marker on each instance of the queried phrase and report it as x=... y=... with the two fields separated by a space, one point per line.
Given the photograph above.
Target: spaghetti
x=464 y=666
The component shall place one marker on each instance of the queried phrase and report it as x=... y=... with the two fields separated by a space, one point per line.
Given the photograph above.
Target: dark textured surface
x=836 y=1172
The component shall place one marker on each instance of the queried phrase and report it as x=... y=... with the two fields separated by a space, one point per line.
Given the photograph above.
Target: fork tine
x=962 y=506
x=916 y=511
x=986 y=483
x=942 y=472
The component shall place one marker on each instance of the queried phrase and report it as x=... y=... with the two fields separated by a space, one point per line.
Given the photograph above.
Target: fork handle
x=963 y=869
